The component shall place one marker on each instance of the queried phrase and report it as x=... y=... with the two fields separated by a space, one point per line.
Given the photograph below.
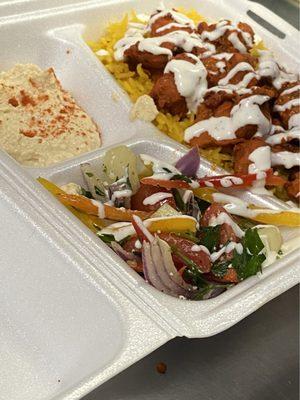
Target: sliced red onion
x=160 y=271
x=188 y=164
x=125 y=255
x=150 y=271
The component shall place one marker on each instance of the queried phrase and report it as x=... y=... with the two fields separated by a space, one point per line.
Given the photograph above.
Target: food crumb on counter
x=144 y=109
x=161 y=368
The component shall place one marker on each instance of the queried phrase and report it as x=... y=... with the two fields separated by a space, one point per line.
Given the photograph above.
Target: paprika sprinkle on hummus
x=40 y=122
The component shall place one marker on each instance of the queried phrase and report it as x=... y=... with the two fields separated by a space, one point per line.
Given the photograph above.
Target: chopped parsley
x=220 y=268
x=210 y=236
x=106 y=238
x=180 y=177
x=250 y=261
x=89 y=174
x=178 y=200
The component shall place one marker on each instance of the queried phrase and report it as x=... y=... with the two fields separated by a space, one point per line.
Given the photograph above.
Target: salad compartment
x=195 y=318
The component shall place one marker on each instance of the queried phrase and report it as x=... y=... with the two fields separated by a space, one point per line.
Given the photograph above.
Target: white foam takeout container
x=72 y=314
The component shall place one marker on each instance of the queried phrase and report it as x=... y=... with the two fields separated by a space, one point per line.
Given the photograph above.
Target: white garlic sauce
x=236 y=42
x=200 y=247
x=287 y=106
x=100 y=207
x=226 y=249
x=285 y=158
x=224 y=218
x=177 y=17
x=261 y=159
x=268 y=68
x=160 y=169
x=290 y=90
x=294 y=121
x=190 y=79
x=284 y=136
x=247 y=112
x=240 y=67
x=155 y=198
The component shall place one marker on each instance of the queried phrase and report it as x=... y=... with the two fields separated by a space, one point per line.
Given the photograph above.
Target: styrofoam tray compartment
x=72 y=313
x=65 y=327
x=191 y=319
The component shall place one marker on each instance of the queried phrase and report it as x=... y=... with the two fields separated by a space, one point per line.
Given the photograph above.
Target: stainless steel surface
x=258 y=359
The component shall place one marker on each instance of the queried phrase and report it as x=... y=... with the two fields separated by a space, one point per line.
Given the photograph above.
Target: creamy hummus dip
x=40 y=123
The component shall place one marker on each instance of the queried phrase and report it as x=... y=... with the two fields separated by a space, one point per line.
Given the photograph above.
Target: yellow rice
x=136 y=83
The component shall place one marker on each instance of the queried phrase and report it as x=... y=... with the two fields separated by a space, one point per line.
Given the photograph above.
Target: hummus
x=40 y=123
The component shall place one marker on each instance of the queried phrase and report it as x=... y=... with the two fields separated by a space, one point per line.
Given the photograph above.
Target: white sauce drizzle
x=247 y=112
x=176 y=16
x=200 y=247
x=294 y=121
x=288 y=105
x=284 y=137
x=137 y=244
x=261 y=159
x=269 y=68
x=224 y=218
x=190 y=79
x=285 y=158
x=223 y=56
x=100 y=206
x=290 y=90
x=158 y=167
x=181 y=39
x=234 y=39
x=230 y=180
x=170 y=26
x=221 y=65
x=221 y=28
x=118 y=194
x=155 y=198
x=240 y=67
x=227 y=249
x=132 y=36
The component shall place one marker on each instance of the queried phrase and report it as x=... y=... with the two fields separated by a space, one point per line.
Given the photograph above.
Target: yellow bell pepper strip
x=92 y=207
x=92 y=222
x=280 y=218
x=205 y=194
x=285 y=218
x=172 y=224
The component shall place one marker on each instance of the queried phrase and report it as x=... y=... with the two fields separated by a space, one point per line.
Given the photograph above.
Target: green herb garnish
x=180 y=177
x=106 y=238
x=188 y=235
x=220 y=268
x=250 y=261
x=202 y=204
x=210 y=236
x=178 y=200
x=89 y=174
